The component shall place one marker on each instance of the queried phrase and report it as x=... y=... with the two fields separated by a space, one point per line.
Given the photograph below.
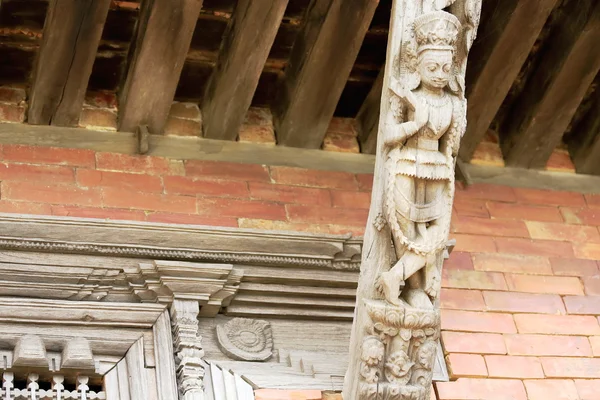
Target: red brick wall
x=521 y=294
x=82 y=183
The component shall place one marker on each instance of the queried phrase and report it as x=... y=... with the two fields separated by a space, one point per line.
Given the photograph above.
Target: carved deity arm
x=398 y=133
x=451 y=141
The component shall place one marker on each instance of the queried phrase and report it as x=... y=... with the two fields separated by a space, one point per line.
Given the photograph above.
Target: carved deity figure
x=397 y=327
x=422 y=141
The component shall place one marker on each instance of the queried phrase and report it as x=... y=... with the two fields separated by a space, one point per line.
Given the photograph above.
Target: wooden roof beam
x=319 y=67
x=70 y=41
x=508 y=31
x=584 y=144
x=161 y=43
x=368 y=117
x=551 y=97
x=246 y=46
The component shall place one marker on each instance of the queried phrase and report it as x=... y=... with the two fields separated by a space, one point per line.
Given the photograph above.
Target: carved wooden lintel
x=178 y=242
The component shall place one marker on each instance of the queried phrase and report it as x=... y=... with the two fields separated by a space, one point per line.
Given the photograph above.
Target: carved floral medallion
x=246 y=339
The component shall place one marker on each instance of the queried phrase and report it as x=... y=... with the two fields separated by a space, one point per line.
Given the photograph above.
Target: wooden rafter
x=70 y=41
x=242 y=58
x=584 y=143
x=509 y=30
x=161 y=44
x=551 y=97
x=368 y=117
x=319 y=66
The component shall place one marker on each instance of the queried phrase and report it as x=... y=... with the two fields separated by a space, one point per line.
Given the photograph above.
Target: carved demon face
x=435 y=68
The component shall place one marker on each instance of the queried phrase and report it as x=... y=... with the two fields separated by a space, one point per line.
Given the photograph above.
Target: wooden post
x=163 y=37
x=70 y=40
x=398 y=294
x=542 y=113
x=319 y=67
x=584 y=141
x=242 y=58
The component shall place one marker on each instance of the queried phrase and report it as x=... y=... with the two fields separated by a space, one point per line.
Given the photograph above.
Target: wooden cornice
x=178 y=242
x=239 y=272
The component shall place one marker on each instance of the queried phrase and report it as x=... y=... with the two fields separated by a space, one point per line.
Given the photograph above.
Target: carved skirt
x=431 y=165
x=423 y=164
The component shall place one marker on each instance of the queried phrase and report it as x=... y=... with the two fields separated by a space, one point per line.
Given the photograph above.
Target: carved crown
x=436 y=30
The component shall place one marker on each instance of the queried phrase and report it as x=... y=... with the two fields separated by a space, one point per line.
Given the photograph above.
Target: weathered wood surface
x=310 y=355
x=131 y=379
x=111 y=382
x=570 y=62
x=123 y=381
x=79 y=313
x=584 y=141
x=75 y=277
x=535 y=179
x=399 y=286
x=138 y=381
x=186 y=148
x=98 y=334
x=69 y=43
x=319 y=66
x=285 y=249
x=222 y=384
x=166 y=381
x=293 y=282
x=161 y=43
x=242 y=58
x=107 y=341
x=249 y=153
x=368 y=117
x=509 y=29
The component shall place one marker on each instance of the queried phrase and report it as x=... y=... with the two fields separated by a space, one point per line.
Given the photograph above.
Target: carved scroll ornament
x=422 y=122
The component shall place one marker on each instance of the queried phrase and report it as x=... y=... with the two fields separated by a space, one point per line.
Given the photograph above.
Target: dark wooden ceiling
x=533 y=73
x=22 y=21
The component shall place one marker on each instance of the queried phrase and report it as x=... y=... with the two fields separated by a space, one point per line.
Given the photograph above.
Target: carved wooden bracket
x=211 y=285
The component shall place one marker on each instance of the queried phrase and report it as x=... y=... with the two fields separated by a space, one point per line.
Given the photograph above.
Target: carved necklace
x=437 y=102
x=436 y=118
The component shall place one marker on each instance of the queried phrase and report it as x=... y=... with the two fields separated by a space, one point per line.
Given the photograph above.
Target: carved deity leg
x=392 y=281
x=420 y=198
x=436 y=190
x=414 y=292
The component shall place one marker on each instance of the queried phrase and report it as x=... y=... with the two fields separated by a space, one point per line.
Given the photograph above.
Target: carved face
x=372 y=351
x=426 y=355
x=435 y=68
